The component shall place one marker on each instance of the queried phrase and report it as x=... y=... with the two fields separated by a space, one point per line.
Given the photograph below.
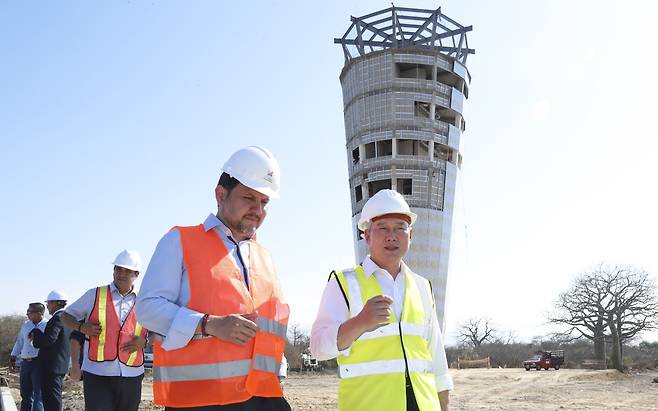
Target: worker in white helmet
x=378 y=320
x=113 y=363
x=54 y=355
x=212 y=293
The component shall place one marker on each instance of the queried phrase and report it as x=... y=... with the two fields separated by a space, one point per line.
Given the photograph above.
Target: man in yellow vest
x=378 y=319
x=212 y=293
x=113 y=362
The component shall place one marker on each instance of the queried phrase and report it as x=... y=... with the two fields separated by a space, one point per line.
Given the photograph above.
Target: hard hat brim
x=363 y=224
x=128 y=267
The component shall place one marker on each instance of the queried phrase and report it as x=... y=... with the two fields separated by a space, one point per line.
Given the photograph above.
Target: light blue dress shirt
x=23 y=347
x=165 y=291
x=81 y=309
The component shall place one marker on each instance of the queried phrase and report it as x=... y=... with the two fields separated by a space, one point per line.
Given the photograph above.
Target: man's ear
x=219 y=194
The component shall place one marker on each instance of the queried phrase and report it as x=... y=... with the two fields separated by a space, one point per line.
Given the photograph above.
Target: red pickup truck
x=545 y=360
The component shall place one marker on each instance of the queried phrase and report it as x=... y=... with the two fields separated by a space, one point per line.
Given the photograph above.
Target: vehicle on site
x=545 y=360
x=309 y=363
x=148 y=357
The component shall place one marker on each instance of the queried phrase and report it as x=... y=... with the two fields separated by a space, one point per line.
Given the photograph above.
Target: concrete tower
x=404 y=84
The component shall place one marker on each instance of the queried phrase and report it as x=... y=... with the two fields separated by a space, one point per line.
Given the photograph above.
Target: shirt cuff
x=328 y=344
x=182 y=329
x=444 y=382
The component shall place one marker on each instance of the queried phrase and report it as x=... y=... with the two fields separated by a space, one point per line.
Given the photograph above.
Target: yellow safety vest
x=372 y=375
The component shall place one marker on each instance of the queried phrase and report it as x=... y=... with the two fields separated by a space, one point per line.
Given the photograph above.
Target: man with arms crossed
x=30 y=376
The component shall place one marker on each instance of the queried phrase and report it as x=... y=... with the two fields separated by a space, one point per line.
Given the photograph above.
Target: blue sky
x=115 y=118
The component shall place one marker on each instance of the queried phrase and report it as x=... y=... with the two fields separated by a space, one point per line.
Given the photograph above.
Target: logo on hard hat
x=269 y=176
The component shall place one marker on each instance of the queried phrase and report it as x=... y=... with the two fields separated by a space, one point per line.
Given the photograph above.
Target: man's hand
x=376 y=313
x=234 y=328
x=91 y=328
x=444 y=400
x=75 y=372
x=137 y=343
x=12 y=364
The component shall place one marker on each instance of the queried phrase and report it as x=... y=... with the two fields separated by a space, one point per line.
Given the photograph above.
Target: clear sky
x=115 y=118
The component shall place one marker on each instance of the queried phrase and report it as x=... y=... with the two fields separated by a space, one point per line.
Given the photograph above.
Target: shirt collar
x=212 y=221
x=114 y=289
x=370 y=267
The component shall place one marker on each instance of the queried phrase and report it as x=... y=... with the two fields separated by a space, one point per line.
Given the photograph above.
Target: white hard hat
x=382 y=203
x=256 y=168
x=56 y=295
x=128 y=259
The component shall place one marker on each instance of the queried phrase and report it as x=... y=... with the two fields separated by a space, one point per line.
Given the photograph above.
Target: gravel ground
x=475 y=389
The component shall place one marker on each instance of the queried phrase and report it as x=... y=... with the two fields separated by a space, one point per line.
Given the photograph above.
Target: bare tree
x=615 y=302
x=475 y=331
x=581 y=309
x=632 y=307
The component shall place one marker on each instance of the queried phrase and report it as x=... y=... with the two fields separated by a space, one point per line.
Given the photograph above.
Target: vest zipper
x=404 y=354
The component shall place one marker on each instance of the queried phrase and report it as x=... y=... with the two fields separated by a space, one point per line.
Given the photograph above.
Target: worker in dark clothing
x=54 y=352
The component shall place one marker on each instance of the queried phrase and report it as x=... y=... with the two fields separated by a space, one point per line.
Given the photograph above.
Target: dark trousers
x=253 y=404
x=112 y=393
x=51 y=390
x=31 y=386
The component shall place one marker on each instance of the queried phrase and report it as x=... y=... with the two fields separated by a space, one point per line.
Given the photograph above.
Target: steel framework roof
x=400 y=27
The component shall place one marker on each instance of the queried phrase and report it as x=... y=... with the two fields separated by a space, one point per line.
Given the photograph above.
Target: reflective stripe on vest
x=133 y=355
x=373 y=374
x=102 y=318
x=210 y=371
x=383 y=367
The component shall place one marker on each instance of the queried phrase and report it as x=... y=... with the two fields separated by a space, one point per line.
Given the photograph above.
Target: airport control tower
x=405 y=83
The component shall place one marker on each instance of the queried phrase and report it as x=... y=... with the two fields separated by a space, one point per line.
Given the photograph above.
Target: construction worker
x=54 y=355
x=378 y=319
x=30 y=376
x=213 y=294
x=113 y=363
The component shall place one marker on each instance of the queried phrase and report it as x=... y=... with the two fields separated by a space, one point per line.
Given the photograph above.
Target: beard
x=248 y=226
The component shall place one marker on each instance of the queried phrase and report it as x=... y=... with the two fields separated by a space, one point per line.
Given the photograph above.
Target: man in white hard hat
x=54 y=355
x=378 y=319
x=113 y=362
x=212 y=293
x=30 y=375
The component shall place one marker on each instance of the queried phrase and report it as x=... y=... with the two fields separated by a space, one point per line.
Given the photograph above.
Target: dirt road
x=475 y=389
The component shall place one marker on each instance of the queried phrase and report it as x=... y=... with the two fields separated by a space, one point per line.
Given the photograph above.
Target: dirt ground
x=475 y=389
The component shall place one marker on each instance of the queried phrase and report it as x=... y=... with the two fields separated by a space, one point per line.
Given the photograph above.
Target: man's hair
x=37 y=307
x=227 y=182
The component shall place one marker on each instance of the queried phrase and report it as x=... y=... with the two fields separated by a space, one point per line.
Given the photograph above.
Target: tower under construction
x=405 y=83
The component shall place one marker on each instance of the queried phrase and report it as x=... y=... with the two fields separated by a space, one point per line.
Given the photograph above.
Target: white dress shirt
x=81 y=309
x=333 y=312
x=23 y=347
x=165 y=290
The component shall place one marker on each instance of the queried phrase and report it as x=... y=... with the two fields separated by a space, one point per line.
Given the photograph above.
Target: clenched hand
x=376 y=312
x=234 y=328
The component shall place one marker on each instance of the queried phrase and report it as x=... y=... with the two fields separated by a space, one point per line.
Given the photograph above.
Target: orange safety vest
x=107 y=345
x=210 y=371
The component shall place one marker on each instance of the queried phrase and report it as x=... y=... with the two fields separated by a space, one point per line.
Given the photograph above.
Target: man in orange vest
x=112 y=366
x=212 y=293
